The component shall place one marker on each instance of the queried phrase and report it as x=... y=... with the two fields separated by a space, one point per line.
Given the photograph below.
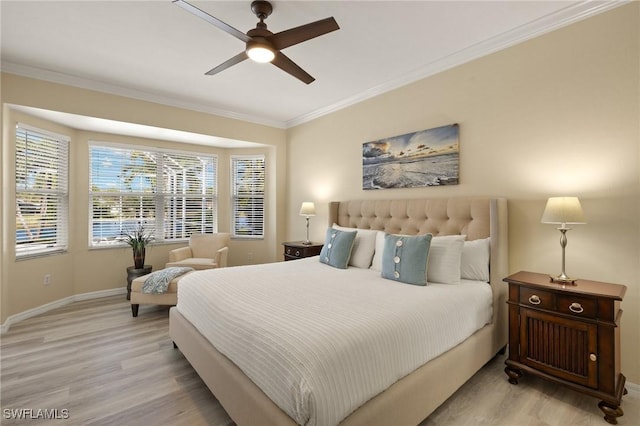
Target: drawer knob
x=593 y=357
x=534 y=300
x=297 y=252
x=288 y=250
x=575 y=307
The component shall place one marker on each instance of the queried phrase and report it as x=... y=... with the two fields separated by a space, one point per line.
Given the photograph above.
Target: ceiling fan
x=261 y=44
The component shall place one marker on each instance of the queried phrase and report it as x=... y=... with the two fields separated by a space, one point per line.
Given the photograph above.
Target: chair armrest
x=179 y=254
x=221 y=257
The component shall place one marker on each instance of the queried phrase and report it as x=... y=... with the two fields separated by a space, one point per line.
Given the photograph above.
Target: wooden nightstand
x=297 y=250
x=567 y=334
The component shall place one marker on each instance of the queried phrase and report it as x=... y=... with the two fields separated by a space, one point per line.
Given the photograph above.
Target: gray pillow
x=404 y=258
x=337 y=248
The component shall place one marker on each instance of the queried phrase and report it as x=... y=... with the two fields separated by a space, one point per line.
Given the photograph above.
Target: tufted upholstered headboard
x=437 y=216
x=475 y=217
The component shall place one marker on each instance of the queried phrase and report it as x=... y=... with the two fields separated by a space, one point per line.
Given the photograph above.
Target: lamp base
x=562 y=279
x=306 y=243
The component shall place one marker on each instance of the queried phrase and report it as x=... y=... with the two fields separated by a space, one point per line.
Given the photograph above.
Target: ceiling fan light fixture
x=260 y=52
x=261 y=45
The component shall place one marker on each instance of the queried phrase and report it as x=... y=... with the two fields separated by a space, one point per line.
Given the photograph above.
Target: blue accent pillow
x=337 y=248
x=404 y=258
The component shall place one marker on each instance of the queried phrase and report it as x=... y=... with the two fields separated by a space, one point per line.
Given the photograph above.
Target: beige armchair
x=205 y=251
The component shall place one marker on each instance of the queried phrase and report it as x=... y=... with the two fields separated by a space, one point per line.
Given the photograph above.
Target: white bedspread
x=321 y=341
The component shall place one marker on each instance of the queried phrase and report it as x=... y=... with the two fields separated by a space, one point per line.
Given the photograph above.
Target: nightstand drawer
x=293 y=251
x=299 y=250
x=578 y=306
x=537 y=298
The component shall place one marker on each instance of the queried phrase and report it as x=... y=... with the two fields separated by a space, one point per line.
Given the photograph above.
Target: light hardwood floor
x=107 y=368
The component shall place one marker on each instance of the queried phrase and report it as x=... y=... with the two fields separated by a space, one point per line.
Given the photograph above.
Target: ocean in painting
x=431 y=171
x=419 y=159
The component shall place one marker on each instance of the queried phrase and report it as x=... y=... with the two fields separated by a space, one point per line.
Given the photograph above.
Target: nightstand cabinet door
x=560 y=347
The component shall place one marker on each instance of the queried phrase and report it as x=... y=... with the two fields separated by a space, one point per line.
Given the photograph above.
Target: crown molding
x=113 y=89
x=540 y=26
x=569 y=15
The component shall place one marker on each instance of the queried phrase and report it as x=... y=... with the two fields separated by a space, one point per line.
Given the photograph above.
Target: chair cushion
x=198 y=263
x=206 y=245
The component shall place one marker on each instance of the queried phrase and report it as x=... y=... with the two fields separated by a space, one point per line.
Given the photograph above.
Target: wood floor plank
x=108 y=368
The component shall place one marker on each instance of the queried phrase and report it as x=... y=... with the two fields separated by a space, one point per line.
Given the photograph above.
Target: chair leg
x=134 y=309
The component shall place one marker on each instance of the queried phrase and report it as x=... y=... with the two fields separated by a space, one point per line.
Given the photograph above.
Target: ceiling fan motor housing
x=262 y=9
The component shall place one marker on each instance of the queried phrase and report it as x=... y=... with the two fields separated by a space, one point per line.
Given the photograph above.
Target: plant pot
x=138 y=258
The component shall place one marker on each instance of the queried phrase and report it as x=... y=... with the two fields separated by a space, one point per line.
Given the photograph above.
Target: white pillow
x=363 y=246
x=445 y=255
x=475 y=260
x=376 y=264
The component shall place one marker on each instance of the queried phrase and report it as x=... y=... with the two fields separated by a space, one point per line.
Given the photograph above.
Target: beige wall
x=557 y=115
x=83 y=270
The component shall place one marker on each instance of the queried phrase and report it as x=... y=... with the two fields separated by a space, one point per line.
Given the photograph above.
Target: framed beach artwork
x=415 y=160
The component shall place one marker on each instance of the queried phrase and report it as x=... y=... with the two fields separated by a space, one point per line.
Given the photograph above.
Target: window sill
x=39 y=254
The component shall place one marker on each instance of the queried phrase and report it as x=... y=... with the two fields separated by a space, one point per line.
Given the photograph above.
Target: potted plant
x=138 y=240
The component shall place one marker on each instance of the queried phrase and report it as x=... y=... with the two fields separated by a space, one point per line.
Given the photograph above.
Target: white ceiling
x=154 y=50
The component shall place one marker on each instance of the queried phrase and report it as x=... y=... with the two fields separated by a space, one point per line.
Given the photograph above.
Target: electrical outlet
x=47 y=279
x=250 y=256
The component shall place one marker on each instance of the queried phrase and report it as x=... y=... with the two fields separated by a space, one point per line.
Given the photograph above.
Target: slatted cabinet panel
x=562 y=348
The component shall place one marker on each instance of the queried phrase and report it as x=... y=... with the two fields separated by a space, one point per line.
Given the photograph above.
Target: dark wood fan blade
x=287 y=65
x=212 y=20
x=229 y=63
x=302 y=33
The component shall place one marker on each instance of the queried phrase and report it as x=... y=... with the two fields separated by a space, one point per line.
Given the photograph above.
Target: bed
x=405 y=401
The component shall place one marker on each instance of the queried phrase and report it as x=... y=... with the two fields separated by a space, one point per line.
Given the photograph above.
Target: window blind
x=248 y=183
x=190 y=195
x=42 y=191
x=172 y=194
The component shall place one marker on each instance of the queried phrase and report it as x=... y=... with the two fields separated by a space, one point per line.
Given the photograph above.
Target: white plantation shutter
x=172 y=194
x=42 y=191
x=247 y=193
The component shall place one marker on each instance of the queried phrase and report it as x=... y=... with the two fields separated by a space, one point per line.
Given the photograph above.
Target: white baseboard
x=29 y=313
x=633 y=389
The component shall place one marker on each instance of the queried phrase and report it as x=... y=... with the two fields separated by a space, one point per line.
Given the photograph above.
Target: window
x=172 y=194
x=42 y=192
x=247 y=193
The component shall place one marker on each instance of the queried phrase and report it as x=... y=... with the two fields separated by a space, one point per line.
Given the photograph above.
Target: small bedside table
x=567 y=334
x=296 y=250
x=133 y=273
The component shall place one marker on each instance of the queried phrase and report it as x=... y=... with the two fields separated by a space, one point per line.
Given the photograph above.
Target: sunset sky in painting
x=425 y=143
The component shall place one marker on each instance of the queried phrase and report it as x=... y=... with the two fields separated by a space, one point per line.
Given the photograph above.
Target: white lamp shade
x=563 y=210
x=308 y=209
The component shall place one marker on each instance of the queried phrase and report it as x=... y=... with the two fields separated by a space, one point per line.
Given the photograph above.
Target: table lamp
x=308 y=209
x=563 y=211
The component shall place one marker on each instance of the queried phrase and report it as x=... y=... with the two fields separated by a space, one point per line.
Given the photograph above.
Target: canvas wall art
x=415 y=160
